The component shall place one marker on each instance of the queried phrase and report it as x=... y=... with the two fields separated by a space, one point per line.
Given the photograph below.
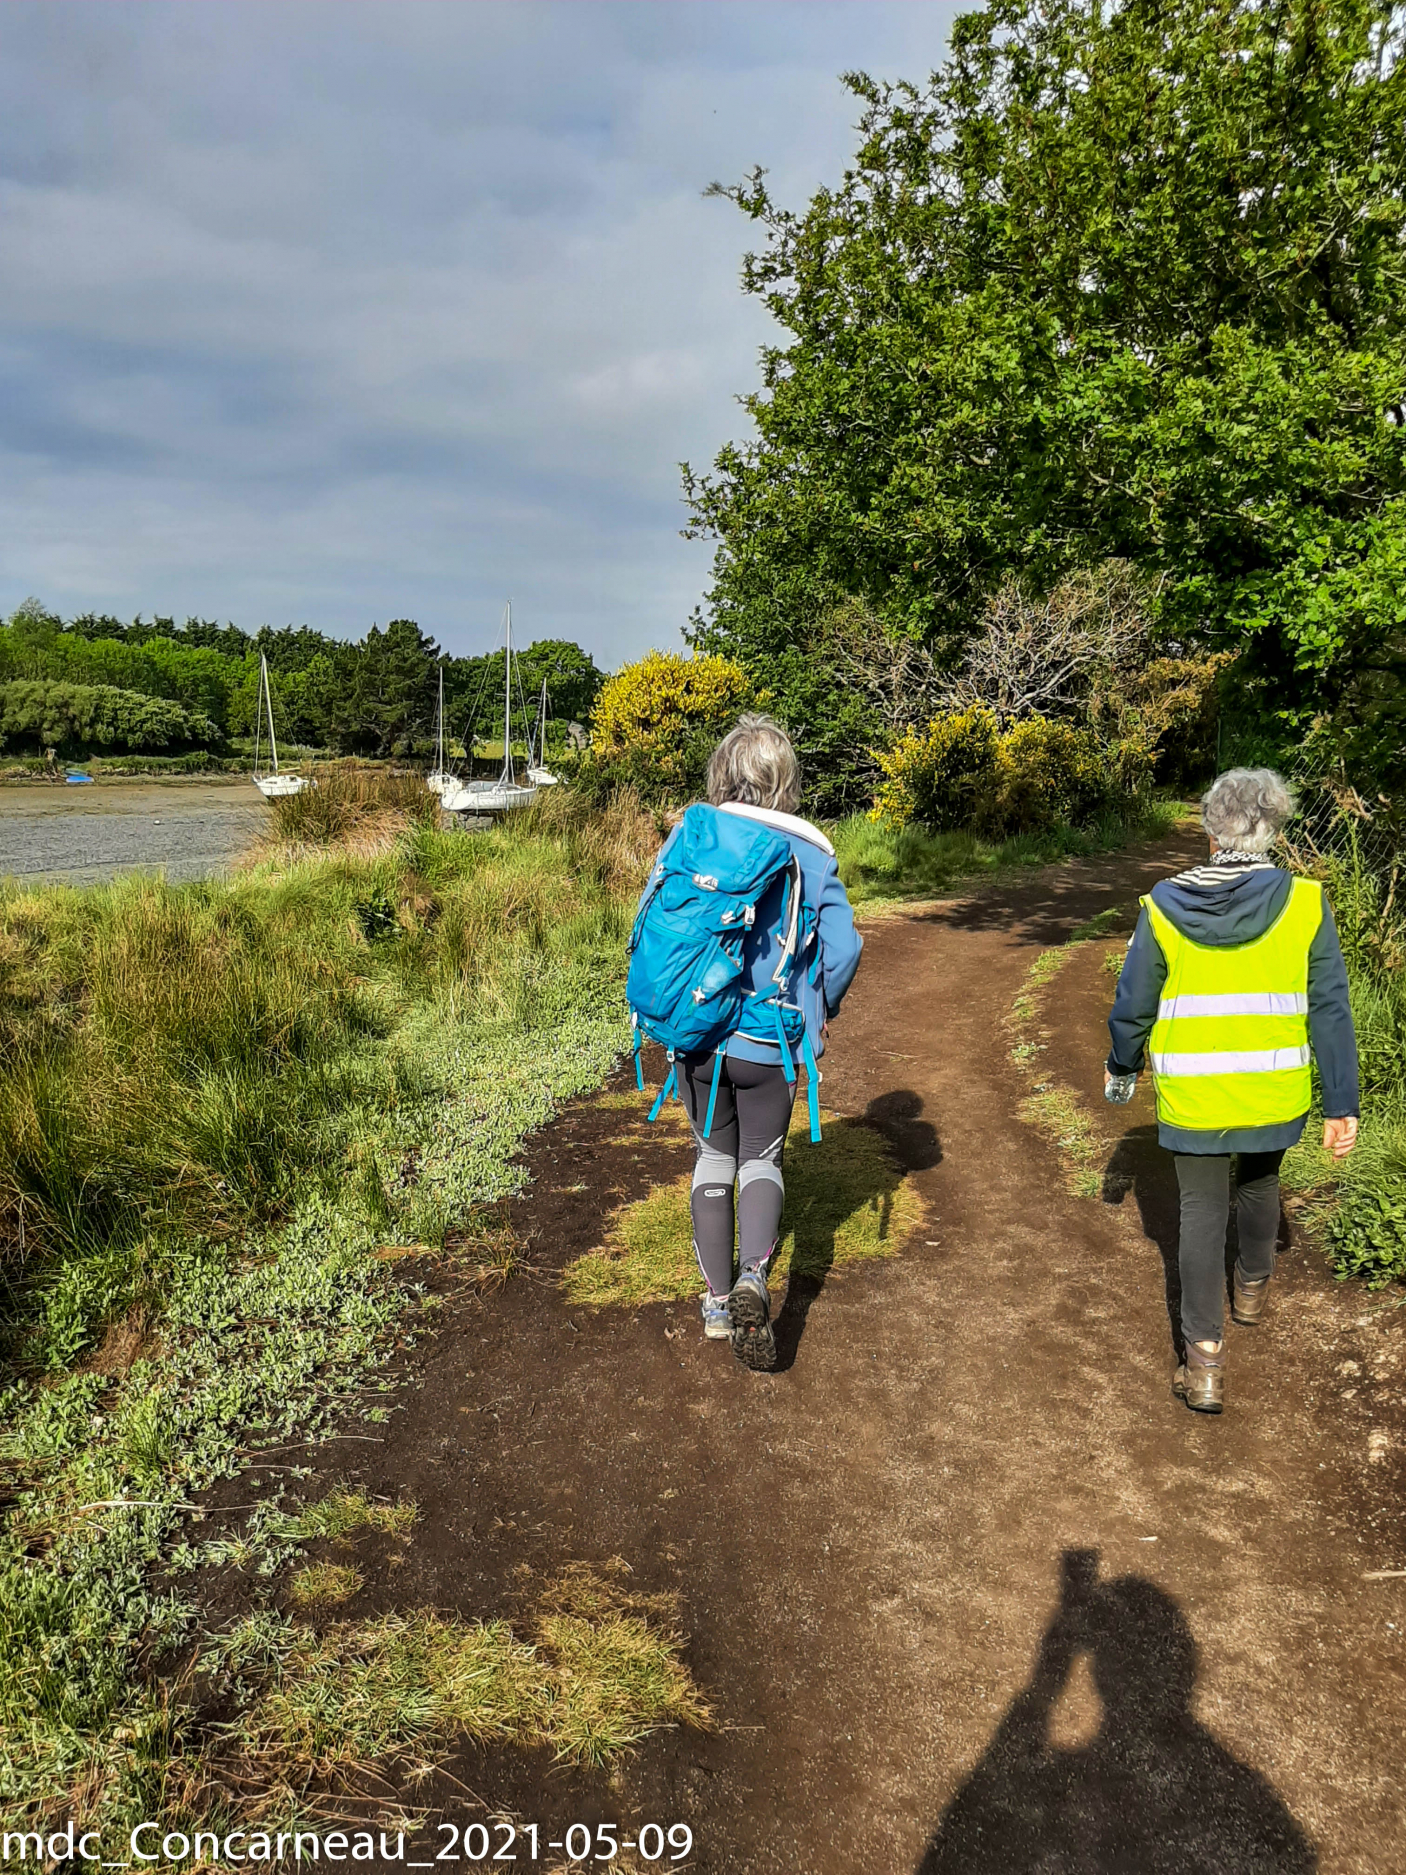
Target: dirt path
x=873 y=1546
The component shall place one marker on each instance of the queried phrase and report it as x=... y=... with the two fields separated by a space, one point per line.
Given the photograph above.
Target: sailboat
x=273 y=787
x=537 y=771
x=438 y=776
x=493 y=797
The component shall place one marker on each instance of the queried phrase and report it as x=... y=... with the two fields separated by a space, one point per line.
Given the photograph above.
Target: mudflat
x=186 y=828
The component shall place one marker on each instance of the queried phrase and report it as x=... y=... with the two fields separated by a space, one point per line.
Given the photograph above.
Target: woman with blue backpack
x=742 y=950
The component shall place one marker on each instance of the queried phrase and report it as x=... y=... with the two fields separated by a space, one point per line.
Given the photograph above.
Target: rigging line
x=469 y=733
x=526 y=719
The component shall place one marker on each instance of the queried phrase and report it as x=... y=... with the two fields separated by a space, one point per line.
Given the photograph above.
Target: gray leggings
x=1205 y=1212
x=750 y=1118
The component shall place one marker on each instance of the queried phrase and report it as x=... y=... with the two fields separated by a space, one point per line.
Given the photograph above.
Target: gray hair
x=1245 y=809
x=755 y=763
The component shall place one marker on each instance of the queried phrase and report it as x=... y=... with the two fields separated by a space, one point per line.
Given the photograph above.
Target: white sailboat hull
x=279 y=787
x=437 y=781
x=542 y=777
x=484 y=797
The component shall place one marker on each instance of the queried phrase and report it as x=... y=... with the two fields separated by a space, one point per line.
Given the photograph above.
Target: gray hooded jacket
x=1223 y=904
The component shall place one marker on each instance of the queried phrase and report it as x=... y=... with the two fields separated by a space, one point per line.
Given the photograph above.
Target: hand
x=1340 y=1136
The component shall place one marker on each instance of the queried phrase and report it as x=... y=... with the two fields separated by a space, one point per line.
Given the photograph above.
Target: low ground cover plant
x=881 y=860
x=1354 y=846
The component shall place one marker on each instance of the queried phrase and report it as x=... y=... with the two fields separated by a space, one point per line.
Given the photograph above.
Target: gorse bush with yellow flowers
x=657 y=721
x=962 y=770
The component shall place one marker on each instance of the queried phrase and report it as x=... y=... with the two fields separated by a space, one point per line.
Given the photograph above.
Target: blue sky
x=332 y=312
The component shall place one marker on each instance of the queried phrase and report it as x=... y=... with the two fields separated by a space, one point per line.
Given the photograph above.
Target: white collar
x=784 y=823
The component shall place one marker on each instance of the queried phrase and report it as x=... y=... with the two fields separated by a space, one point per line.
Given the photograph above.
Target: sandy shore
x=186 y=828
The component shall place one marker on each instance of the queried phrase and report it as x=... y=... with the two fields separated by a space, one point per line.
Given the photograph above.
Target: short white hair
x=755 y=763
x=1245 y=809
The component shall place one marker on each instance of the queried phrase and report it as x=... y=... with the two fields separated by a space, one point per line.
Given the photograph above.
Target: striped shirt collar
x=1225 y=868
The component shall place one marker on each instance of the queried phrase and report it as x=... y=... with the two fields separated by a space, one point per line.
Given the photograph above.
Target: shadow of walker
x=1152 y=1793
x=859 y=1165
x=1138 y=1165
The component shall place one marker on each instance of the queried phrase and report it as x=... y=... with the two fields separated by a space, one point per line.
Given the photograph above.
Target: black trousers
x=1204 y=1179
x=745 y=1147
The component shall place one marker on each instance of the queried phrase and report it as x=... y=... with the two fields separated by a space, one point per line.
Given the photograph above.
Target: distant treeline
x=373 y=697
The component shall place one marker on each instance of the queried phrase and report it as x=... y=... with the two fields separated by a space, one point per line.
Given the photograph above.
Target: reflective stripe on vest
x=1252 y=1003
x=1249 y=1061
x=1230 y=1044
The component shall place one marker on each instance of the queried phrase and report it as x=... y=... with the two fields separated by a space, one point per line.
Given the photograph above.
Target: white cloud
x=329 y=313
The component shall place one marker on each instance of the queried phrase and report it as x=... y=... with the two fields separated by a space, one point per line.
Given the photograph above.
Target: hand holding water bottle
x=1118 y=1088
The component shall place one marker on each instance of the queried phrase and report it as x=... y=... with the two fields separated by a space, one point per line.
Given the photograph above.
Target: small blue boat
x=76 y=780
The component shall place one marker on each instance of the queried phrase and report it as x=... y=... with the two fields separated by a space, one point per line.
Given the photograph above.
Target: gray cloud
x=330 y=312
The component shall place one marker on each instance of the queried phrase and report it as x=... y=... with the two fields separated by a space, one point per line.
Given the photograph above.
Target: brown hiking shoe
x=1248 y=1299
x=1200 y=1380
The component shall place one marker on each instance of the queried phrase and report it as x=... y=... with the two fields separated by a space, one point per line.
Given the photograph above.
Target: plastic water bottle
x=1119 y=1089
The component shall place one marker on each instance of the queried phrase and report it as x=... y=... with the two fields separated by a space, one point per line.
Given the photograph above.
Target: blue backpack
x=685 y=987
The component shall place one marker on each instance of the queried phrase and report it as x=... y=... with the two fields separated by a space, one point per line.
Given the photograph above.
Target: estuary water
x=186 y=829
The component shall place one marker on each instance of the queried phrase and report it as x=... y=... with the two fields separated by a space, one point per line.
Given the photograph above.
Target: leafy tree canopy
x=375 y=696
x=1117 y=282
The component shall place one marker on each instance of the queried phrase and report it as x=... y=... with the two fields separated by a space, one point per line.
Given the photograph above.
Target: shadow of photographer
x=1152 y=1792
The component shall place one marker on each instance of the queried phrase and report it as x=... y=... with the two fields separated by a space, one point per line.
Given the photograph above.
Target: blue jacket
x=1223 y=904
x=840 y=943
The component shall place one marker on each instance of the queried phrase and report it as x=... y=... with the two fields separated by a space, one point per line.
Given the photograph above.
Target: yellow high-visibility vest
x=1230 y=1044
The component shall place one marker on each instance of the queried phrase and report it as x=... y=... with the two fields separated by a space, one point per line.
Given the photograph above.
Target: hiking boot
x=1249 y=1298
x=749 y=1311
x=1200 y=1380
x=717 y=1323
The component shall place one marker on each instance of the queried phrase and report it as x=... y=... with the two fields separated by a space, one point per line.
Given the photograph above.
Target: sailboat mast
x=508 y=702
x=268 y=700
x=439 y=728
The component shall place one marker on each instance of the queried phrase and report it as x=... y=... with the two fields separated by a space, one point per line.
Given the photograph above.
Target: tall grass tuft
x=190 y=1057
x=352 y=804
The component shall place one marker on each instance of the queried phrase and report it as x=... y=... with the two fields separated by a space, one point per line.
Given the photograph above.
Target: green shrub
x=1047 y=774
x=963 y=772
x=1367 y=1232
x=70 y=717
x=940 y=775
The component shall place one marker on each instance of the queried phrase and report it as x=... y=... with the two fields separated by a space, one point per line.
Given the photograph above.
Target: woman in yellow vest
x=1233 y=981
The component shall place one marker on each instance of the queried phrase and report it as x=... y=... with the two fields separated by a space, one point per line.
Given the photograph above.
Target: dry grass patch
x=846 y=1200
x=601 y=1669
x=1050 y=1106
x=325 y=1585
x=341 y=1512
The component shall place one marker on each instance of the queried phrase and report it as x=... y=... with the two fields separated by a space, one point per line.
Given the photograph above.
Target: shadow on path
x=1151 y=1793
x=1140 y=1166
x=861 y=1178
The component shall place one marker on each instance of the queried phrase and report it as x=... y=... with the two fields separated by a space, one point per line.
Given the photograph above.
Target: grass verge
x=1358 y=1205
x=1051 y=1107
x=846 y=1201
x=881 y=863
x=218 y=1103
